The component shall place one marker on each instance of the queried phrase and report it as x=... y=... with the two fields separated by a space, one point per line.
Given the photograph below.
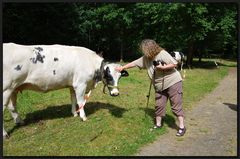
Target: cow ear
x=100 y=54
x=106 y=72
x=124 y=73
x=172 y=54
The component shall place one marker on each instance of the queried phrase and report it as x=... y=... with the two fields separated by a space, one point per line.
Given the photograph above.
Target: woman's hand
x=119 y=69
x=161 y=67
x=166 y=67
x=127 y=66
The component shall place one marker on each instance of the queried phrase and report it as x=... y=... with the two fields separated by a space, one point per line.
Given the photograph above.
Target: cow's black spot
x=39 y=57
x=55 y=59
x=18 y=68
x=54 y=72
x=39 y=49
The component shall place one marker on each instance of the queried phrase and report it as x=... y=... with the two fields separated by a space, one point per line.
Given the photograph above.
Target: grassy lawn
x=115 y=126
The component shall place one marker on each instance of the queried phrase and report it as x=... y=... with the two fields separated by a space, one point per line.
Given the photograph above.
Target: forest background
x=116 y=29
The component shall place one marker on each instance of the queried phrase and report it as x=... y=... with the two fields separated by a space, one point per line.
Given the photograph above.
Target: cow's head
x=178 y=56
x=111 y=77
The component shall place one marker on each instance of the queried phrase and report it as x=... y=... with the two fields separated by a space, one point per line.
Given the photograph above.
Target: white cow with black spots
x=180 y=58
x=50 y=67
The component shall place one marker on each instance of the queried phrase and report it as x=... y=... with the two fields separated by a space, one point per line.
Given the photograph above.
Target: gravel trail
x=211 y=126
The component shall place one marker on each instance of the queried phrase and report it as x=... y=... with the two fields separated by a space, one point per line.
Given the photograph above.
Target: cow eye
x=107 y=75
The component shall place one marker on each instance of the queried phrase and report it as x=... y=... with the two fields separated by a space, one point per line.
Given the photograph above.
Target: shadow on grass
x=231 y=106
x=64 y=111
x=209 y=64
x=204 y=65
x=227 y=65
x=92 y=107
x=168 y=119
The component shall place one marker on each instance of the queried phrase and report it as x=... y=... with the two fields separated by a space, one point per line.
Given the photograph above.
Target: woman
x=167 y=81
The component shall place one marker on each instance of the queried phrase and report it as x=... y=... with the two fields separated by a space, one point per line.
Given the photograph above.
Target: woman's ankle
x=158 y=120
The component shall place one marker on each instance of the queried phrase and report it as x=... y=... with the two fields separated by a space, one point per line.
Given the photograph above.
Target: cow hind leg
x=181 y=66
x=184 y=73
x=12 y=109
x=5 y=135
x=6 y=98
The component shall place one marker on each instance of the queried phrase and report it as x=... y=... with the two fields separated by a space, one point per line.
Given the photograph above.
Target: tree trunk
x=121 y=46
x=121 y=53
x=89 y=39
x=199 y=55
x=200 y=59
x=190 y=54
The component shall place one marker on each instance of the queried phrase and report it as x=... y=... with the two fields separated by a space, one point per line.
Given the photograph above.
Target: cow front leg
x=81 y=101
x=13 y=111
x=74 y=102
x=82 y=112
x=87 y=96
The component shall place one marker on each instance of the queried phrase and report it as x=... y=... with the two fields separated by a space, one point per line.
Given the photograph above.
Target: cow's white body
x=180 y=58
x=72 y=65
x=50 y=67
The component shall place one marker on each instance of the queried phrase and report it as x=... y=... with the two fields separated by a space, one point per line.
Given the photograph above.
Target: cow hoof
x=20 y=123
x=75 y=114
x=84 y=118
x=5 y=137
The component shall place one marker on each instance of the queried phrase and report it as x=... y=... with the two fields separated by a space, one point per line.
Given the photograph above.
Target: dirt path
x=211 y=126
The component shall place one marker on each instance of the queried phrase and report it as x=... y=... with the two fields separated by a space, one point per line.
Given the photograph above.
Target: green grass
x=115 y=126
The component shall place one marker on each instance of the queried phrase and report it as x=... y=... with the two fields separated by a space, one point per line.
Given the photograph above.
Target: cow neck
x=99 y=73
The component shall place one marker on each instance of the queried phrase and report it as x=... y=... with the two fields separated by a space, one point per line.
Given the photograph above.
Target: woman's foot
x=157 y=127
x=181 y=131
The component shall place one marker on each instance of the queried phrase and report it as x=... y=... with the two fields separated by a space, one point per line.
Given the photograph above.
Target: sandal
x=157 y=127
x=181 y=131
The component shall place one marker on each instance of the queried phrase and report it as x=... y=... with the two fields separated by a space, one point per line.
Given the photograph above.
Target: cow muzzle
x=114 y=92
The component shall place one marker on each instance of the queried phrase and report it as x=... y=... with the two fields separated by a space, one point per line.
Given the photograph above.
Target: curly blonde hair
x=150 y=48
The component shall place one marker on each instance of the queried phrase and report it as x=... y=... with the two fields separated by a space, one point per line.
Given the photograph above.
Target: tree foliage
x=197 y=29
